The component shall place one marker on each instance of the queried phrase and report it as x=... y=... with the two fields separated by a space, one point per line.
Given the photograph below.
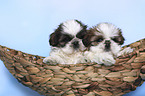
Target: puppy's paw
x=109 y=61
x=125 y=51
x=88 y=56
x=49 y=60
x=105 y=59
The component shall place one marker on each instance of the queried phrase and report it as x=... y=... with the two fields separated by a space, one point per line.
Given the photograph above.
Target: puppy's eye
x=116 y=39
x=66 y=39
x=99 y=40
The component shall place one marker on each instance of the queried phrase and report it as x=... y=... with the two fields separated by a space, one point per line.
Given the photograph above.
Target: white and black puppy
x=66 y=43
x=104 y=44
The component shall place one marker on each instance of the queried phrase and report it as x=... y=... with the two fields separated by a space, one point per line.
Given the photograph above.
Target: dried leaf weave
x=88 y=79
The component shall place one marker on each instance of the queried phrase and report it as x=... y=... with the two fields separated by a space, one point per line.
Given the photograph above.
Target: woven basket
x=88 y=79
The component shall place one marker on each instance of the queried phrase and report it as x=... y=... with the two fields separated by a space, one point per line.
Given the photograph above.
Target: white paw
x=49 y=60
x=125 y=51
x=105 y=59
x=109 y=61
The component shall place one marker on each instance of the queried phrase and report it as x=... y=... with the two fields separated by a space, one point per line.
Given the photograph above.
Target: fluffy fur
x=104 y=44
x=66 y=43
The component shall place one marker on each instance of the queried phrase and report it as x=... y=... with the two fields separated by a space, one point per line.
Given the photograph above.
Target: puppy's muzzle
x=75 y=44
x=107 y=45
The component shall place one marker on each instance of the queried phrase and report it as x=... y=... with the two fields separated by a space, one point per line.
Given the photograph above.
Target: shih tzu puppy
x=66 y=43
x=104 y=44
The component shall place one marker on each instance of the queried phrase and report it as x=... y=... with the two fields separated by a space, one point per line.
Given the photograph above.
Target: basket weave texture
x=88 y=79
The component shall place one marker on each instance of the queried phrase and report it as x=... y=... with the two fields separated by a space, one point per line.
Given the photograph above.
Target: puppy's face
x=68 y=36
x=104 y=37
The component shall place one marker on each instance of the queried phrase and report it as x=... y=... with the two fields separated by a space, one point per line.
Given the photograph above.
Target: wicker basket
x=88 y=79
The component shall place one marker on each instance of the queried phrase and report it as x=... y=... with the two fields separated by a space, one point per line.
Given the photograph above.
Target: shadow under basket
x=89 y=79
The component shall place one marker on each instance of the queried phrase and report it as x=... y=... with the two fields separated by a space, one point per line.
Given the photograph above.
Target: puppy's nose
x=107 y=44
x=75 y=44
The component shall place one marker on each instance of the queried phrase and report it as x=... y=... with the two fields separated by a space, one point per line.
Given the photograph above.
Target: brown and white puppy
x=104 y=44
x=66 y=43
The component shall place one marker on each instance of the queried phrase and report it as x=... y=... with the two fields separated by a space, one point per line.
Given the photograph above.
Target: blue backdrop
x=25 y=25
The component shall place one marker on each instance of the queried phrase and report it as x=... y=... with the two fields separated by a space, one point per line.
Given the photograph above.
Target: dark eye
x=66 y=39
x=115 y=39
x=99 y=40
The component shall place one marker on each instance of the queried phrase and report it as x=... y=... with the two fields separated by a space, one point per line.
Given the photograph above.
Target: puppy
x=66 y=43
x=104 y=44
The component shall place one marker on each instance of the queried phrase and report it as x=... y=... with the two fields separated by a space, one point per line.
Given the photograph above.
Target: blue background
x=25 y=25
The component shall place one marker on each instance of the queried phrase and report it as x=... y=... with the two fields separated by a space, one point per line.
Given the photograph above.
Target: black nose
x=75 y=44
x=107 y=44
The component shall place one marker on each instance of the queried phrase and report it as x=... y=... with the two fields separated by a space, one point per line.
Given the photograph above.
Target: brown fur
x=57 y=39
x=90 y=39
x=122 y=39
x=87 y=38
x=54 y=37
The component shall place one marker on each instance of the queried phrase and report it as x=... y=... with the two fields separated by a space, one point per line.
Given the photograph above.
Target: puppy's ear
x=82 y=33
x=87 y=39
x=54 y=37
x=121 y=39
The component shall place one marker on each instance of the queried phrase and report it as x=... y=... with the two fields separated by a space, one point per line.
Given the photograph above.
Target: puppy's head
x=68 y=36
x=105 y=37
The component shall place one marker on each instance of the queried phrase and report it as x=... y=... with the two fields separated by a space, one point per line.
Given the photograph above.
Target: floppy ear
x=121 y=38
x=54 y=37
x=82 y=33
x=87 y=39
x=53 y=41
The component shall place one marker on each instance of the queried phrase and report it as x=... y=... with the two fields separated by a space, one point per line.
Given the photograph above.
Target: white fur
x=125 y=51
x=68 y=49
x=97 y=53
x=57 y=56
x=108 y=30
x=72 y=27
x=67 y=54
